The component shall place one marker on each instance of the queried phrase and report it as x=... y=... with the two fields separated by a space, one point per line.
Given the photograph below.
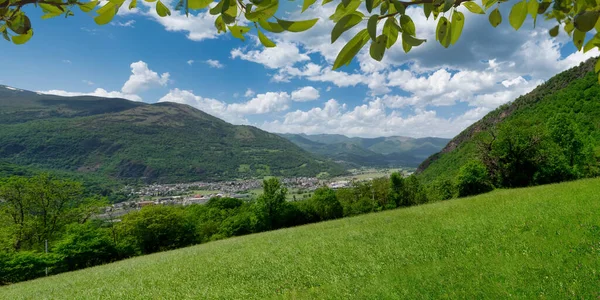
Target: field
x=541 y=242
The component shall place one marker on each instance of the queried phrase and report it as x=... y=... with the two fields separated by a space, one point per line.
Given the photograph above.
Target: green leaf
x=345 y=24
x=220 y=24
x=133 y=4
x=400 y=8
x=377 y=49
x=263 y=13
x=238 y=31
x=23 y=38
x=390 y=30
x=586 y=20
x=554 y=31
x=495 y=17
x=407 y=25
x=458 y=21
x=5 y=35
x=325 y=2
x=342 y=10
x=20 y=24
x=369 y=5
x=108 y=6
x=405 y=46
x=569 y=27
x=307 y=4
x=517 y=15
x=443 y=32
x=297 y=26
x=591 y=44
x=107 y=15
x=270 y=26
x=448 y=4
x=162 y=10
x=411 y=40
x=51 y=8
x=578 y=38
x=473 y=7
x=198 y=4
x=372 y=26
x=265 y=40
x=87 y=7
x=597 y=66
x=427 y=8
x=532 y=9
x=218 y=8
x=383 y=9
x=351 y=49
x=489 y=4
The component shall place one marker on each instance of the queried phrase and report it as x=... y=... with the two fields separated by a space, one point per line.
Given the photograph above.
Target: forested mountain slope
x=131 y=141
x=571 y=98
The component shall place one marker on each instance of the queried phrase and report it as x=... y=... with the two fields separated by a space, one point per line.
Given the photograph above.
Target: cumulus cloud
x=128 y=23
x=213 y=63
x=307 y=93
x=97 y=93
x=371 y=120
x=285 y=54
x=262 y=103
x=142 y=78
x=249 y=93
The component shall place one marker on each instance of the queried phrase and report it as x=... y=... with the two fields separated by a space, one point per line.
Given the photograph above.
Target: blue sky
x=431 y=91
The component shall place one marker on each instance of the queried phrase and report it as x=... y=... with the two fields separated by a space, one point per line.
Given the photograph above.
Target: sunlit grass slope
x=541 y=242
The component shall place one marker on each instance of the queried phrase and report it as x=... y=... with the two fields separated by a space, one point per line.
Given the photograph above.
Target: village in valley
x=201 y=192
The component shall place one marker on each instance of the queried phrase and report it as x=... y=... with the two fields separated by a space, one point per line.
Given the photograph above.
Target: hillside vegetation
x=569 y=99
x=395 y=151
x=131 y=141
x=541 y=242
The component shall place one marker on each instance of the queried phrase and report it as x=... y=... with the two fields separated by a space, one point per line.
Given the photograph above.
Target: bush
x=473 y=179
x=85 y=245
x=25 y=265
x=326 y=205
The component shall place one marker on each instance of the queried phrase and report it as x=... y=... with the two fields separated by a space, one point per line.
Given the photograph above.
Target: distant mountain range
x=135 y=141
x=395 y=151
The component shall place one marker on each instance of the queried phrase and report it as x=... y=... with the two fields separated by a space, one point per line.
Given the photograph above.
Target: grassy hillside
x=130 y=141
x=395 y=151
x=541 y=242
x=575 y=92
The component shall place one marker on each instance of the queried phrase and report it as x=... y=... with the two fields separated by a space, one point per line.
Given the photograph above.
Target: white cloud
x=307 y=93
x=262 y=103
x=190 y=62
x=249 y=93
x=285 y=54
x=128 y=23
x=214 y=63
x=142 y=78
x=371 y=120
x=97 y=93
x=211 y=106
x=199 y=27
x=87 y=82
x=66 y=61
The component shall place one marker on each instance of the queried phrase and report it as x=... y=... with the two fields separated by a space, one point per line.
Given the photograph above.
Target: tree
x=157 y=228
x=575 y=17
x=398 y=192
x=473 y=179
x=326 y=204
x=41 y=206
x=271 y=204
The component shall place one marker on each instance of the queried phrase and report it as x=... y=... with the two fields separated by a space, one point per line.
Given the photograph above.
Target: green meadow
x=541 y=242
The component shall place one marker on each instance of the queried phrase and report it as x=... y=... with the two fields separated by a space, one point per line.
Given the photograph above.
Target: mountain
x=575 y=93
x=395 y=151
x=132 y=141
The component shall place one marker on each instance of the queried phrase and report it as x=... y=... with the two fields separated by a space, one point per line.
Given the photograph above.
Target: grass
x=541 y=242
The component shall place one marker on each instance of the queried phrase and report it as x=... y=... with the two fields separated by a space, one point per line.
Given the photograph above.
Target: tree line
x=39 y=209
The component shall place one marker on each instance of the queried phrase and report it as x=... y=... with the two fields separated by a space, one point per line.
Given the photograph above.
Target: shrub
x=473 y=179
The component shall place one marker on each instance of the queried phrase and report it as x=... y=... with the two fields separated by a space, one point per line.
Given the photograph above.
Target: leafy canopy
x=239 y=17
